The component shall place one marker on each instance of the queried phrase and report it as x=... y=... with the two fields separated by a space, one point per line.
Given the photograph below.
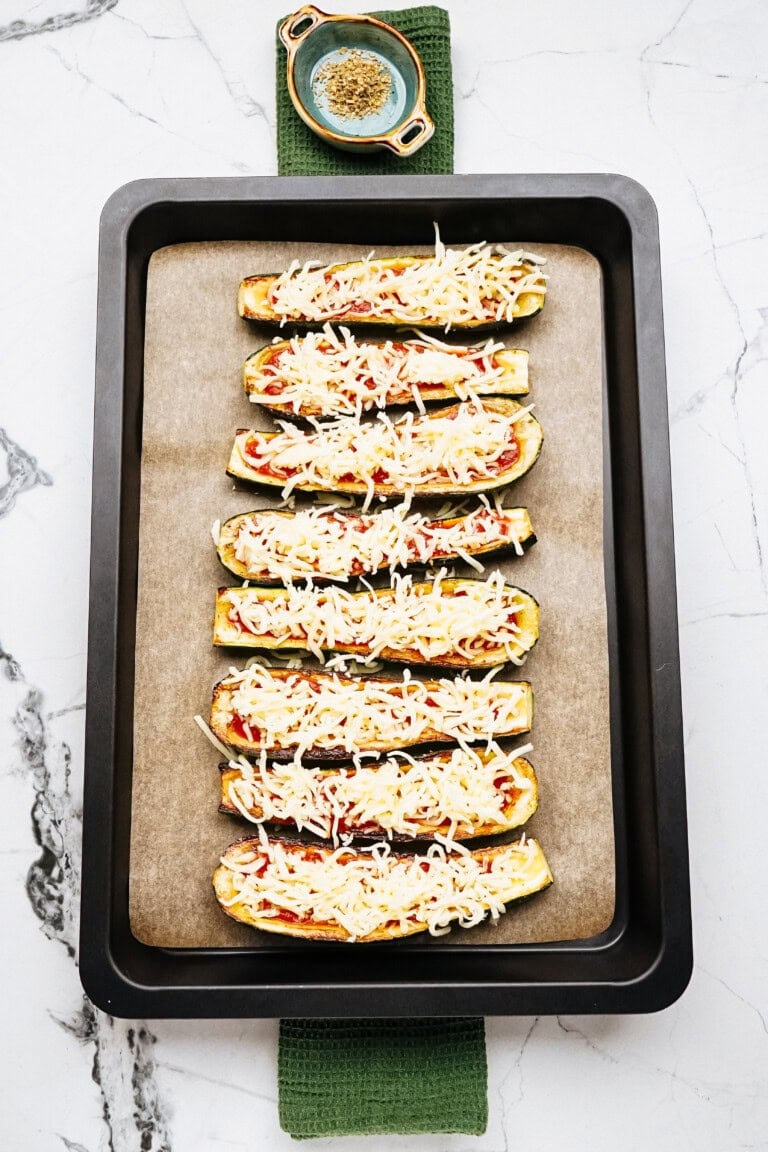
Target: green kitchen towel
x=360 y=1077
x=301 y=153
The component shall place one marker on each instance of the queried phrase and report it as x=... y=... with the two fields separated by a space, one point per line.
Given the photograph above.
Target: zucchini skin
x=376 y=832
x=334 y=932
x=489 y=659
x=530 y=441
x=252 y=304
x=225 y=548
x=430 y=739
x=513 y=383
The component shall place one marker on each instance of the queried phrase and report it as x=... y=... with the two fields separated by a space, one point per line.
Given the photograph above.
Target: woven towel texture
x=301 y=153
x=359 y=1077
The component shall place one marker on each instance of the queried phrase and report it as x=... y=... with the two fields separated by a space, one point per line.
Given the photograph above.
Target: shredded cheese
x=299 y=711
x=368 y=892
x=456 y=286
x=330 y=374
x=460 y=792
x=314 y=542
x=469 y=443
x=474 y=621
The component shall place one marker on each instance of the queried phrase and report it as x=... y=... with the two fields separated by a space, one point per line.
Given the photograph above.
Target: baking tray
x=642 y=962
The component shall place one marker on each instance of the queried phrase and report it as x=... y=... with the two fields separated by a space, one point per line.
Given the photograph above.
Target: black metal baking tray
x=643 y=961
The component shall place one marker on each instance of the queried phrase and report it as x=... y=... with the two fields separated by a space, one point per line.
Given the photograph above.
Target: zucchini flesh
x=459 y=623
x=489 y=290
x=273 y=546
x=323 y=716
x=471 y=447
x=398 y=798
x=322 y=375
x=306 y=890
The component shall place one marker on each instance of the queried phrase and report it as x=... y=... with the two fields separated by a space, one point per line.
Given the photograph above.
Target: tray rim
x=667 y=972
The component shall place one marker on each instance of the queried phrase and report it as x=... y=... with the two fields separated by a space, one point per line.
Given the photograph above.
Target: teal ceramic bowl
x=314 y=40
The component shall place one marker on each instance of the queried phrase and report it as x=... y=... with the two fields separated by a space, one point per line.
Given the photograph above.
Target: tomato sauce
x=507 y=785
x=509 y=456
x=237 y=727
x=290 y=917
x=256 y=450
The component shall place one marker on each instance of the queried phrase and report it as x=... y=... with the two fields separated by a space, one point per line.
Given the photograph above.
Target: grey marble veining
x=674 y=94
x=22 y=470
x=123 y=1052
x=18 y=29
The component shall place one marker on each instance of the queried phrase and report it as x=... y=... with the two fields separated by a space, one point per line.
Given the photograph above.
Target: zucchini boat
x=452 y=623
x=461 y=793
x=468 y=447
x=272 y=546
x=350 y=895
x=326 y=716
x=324 y=374
x=481 y=287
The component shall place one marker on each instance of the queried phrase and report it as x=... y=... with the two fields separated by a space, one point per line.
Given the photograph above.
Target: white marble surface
x=672 y=93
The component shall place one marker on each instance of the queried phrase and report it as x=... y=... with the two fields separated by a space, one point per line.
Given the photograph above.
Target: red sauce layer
x=257 y=451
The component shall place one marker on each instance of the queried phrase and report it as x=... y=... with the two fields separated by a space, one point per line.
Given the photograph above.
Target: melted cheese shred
x=471 y=442
x=330 y=374
x=472 y=621
x=454 y=792
x=322 y=711
x=270 y=547
x=484 y=282
x=369 y=894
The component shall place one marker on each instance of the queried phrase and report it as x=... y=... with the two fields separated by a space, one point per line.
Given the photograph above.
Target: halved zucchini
x=324 y=375
x=314 y=892
x=477 y=288
x=327 y=716
x=460 y=623
x=272 y=546
x=465 y=448
x=400 y=798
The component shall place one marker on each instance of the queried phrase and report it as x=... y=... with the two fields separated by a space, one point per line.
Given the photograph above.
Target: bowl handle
x=419 y=127
x=287 y=31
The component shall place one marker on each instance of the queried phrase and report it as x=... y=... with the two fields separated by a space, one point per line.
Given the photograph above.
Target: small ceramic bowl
x=314 y=39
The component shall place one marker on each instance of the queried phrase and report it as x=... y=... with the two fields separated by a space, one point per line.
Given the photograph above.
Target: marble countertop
x=671 y=92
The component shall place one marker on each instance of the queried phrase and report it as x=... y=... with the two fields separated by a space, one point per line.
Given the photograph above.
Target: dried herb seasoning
x=355 y=86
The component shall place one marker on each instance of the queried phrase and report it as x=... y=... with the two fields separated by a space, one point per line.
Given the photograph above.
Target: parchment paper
x=193 y=402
